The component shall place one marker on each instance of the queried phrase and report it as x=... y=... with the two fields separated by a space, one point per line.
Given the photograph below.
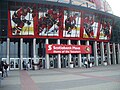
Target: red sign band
x=67 y=49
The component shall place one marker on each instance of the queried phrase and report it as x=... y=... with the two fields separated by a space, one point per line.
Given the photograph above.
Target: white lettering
x=61 y=47
x=49 y=47
x=76 y=48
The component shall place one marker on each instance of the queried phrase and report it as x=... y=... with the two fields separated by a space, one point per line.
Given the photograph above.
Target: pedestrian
x=24 y=65
x=40 y=64
x=89 y=63
x=5 y=68
x=86 y=63
x=33 y=68
x=28 y=66
x=2 y=68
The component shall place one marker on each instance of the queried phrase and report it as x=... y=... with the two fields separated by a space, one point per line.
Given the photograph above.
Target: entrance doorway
x=14 y=64
x=75 y=60
x=64 y=61
x=53 y=61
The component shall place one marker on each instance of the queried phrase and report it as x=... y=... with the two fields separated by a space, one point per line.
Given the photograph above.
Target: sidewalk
x=95 y=78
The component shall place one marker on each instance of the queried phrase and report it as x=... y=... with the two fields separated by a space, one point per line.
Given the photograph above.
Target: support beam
x=59 y=58
x=95 y=53
x=102 y=52
x=108 y=54
x=34 y=50
x=79 y=56
x=69 y=55
x=114 y=54
x=118 y=46
x=8 y=50
x=47 y=62
x=21 y=53
x=88 y=55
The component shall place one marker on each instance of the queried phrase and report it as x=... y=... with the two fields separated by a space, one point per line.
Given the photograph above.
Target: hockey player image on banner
x=105 y=30
x=90 y=27
x=71 y=24
x=22 y=21
x=48 y=23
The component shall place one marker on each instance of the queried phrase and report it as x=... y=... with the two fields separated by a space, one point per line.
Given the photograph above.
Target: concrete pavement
x=95 y=78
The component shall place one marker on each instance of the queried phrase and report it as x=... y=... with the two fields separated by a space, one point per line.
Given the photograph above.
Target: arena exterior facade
x=58 y=32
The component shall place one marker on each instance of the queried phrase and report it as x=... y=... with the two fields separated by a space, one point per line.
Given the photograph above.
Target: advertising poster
x=49 y=21
x=105 y=29
x=22 y=20
x=71 y=25
x=90 y=28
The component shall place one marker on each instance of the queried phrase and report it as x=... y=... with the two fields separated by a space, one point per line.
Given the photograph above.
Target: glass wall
x=3 y=49
x=3 y=19
x=14 y=49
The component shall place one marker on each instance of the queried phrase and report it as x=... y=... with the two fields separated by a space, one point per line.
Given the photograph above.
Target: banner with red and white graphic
x=67 y=49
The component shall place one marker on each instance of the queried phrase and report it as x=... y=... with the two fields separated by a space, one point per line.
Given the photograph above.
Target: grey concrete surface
x=95 y=78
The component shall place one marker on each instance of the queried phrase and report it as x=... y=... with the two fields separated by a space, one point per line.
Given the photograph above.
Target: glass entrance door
x=51 y=61
x=75 y=60
x=14 y=64
x=64 y=61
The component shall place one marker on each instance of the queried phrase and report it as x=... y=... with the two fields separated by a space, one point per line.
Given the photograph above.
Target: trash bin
x=0 y=77
x=71 y=64
x=105 y=63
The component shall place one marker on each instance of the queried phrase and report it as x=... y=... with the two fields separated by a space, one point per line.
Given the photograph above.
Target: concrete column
x=79 y=57
x=59 y=59
x=108 y=54
x=8 y=50
x=88 y=55
x=102 y=52
x=114 y=54
x=47 y=62
x=118 y=46
x=95 y=53
x=69 y=55
x=34 y=50
x=21 y=53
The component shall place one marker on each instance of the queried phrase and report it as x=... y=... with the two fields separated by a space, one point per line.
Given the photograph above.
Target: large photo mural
x=105 y=28
x=41 y=20
x=49 y=21
x=22 y=20
x=71 y=25
x=90 y=24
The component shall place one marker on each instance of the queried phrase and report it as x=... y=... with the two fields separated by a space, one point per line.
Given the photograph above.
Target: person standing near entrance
x=6 y=67
x=89 y=63
x=86 y=63
x=40 y=64
x=2 y=68
x=28 y=66
x=24 y=65
x=33 y=68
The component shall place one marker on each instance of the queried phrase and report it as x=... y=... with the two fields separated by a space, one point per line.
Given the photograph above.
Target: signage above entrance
x=67 y=49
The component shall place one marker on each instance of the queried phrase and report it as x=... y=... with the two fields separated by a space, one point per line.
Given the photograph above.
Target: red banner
x=67 y=49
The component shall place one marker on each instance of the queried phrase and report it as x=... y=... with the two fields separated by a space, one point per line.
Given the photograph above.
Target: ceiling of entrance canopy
x=101 y=5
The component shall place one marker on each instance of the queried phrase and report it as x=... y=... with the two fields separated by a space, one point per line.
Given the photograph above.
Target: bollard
x=0 y=77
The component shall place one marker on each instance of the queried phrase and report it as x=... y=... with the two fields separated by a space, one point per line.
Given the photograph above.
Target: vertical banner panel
x=71 y=23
